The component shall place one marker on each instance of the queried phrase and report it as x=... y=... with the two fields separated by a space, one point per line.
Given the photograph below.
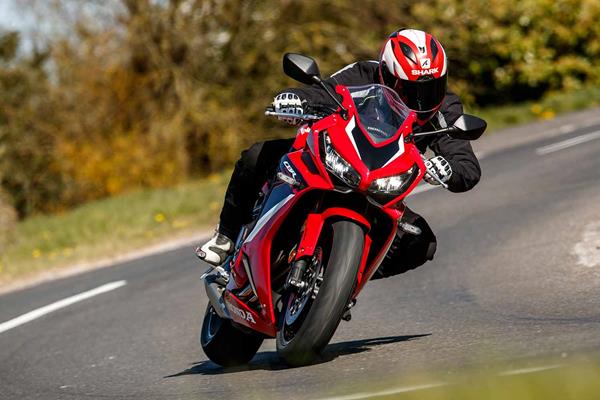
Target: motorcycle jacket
x=466 y=171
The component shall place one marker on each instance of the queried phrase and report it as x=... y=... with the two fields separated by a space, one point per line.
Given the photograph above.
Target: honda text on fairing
x=321 y=226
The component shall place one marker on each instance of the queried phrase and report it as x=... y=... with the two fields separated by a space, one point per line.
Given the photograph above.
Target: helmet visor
x=424 y=94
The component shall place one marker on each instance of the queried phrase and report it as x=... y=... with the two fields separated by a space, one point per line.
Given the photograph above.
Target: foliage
x=128 y=221
x=507 y=50
x=104 y=228
x=28 y=171
x=145 y=93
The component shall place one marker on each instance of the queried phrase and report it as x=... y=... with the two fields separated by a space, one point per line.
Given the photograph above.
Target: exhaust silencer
x=214 y=291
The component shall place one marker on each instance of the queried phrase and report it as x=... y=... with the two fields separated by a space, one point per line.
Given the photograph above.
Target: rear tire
x=224 y=344
x=323 y=315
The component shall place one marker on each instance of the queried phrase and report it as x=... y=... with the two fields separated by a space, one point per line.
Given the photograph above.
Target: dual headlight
x=391 y=185
x=338 y=166
x=395 y=185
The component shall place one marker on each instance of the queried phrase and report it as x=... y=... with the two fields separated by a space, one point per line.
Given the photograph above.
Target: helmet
x=414 y=64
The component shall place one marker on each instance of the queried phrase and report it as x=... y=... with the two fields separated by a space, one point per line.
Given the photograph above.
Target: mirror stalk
x=438 y=132
x=344 y=111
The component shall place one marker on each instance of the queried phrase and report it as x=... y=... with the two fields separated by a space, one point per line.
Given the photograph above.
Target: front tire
x=301 y=341
x=223 y=343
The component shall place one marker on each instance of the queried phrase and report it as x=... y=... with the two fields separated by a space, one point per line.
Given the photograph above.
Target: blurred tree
x=27 y=169
x=137 y=93
x=507 y=50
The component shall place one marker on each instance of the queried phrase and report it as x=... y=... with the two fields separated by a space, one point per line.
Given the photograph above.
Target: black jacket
x=459 y=153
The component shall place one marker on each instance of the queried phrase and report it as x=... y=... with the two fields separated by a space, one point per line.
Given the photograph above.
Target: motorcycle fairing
x=305 y=164
x=372 y=156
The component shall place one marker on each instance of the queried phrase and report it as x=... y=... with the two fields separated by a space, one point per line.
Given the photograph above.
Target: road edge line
x=57 y=305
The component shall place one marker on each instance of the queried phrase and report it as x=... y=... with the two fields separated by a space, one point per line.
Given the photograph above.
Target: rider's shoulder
x=357 y=66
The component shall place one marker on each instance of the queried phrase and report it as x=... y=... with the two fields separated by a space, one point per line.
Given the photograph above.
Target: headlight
x=338 y=166
x=395 y=185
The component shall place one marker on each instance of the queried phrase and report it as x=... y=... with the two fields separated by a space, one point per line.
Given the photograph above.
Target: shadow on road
x=268 y=360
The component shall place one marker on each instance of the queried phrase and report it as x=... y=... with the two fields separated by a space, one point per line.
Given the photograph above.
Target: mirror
x=468 y=127
x=301 y=68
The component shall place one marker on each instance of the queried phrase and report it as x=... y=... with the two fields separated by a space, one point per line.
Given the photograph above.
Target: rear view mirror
x=301 y=68
x=468 y=127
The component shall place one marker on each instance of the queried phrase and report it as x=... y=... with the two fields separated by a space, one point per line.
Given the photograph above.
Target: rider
x=414 y=64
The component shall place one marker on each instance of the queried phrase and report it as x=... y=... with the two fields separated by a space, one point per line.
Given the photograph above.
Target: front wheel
x=310 y=316
x=223 y=343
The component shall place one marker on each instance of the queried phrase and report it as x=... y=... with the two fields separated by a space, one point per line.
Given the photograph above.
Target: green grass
x=108 y=227
x=547 y=108
x=576 y=380
x=111 y=226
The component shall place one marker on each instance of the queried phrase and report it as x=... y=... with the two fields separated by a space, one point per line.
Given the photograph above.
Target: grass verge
x=577 y=380
x=111 y=226
x=108 y=227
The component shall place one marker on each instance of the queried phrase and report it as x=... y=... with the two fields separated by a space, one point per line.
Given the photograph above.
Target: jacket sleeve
x=466 y=171
x=358 y=73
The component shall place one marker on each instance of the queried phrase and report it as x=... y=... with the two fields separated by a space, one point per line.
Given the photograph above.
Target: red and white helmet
x=414 y=64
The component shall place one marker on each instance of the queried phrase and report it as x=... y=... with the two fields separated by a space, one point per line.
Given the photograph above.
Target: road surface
x=516 y=277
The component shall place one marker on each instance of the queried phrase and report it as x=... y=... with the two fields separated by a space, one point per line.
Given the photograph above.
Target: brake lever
x=437 y=178
x=434 y=175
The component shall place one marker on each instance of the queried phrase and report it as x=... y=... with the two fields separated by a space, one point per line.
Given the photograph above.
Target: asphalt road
x=516 y=277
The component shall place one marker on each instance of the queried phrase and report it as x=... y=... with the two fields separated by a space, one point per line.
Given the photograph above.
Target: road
x=516 y=278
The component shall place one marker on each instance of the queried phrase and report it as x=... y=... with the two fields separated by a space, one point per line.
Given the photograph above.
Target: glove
x=288 y=103
x=440 y=166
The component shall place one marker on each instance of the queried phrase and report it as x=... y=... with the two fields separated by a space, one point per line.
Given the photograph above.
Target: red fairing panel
x=257 y=249
x=243 y=315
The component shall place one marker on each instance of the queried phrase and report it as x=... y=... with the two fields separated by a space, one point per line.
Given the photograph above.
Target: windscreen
x=380 y=110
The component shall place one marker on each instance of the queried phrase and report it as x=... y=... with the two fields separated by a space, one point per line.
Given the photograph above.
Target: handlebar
x=315 y=113
x=306 y=117
x=437 y=178
x=270 y=112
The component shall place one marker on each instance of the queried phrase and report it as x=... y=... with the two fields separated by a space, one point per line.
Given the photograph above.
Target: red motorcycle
x=321 y=226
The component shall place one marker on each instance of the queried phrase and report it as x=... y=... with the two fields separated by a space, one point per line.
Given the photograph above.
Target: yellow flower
x=36 y=253
x=548 y=114
x=67 y=252
x=160 y=217
x=536 y=109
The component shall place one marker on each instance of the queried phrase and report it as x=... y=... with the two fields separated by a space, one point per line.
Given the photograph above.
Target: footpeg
x=347 y=316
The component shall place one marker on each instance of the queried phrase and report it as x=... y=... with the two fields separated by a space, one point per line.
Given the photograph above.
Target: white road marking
x=568 y=143
x=588 y=249
x=529 y=370
x=37 y=313
x=388 y=392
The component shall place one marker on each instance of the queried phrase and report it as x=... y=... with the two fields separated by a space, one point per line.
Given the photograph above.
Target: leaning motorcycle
x=322 y=224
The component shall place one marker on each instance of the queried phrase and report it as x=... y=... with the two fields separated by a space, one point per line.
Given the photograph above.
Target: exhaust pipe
x=214 y=291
